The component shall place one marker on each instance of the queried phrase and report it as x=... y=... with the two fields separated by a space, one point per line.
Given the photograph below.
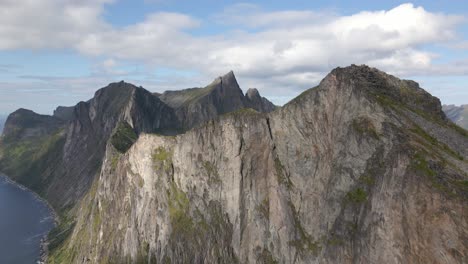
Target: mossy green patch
x=60 y=233
x=162 y=158
x=181 y=222
x=114 y=161
x=123 y=137
x=367 y=180
x=420 y=164
x=356 y=196
x=433 y=169
x=433 y=142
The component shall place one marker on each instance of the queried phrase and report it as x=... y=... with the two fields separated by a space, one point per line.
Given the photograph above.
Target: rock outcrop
x=255 y=101
x=364 y=168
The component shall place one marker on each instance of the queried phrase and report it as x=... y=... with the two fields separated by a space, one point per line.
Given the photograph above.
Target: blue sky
x=58 y=52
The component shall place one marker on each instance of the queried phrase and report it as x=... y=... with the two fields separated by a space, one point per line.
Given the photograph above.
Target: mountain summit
x=363 y=168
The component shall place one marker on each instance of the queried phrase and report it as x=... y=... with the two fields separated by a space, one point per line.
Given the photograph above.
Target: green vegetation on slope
x=27 y=160
x=124 y=137
x=180 y=98
x=181 y=221
x=438 y=173
x=356 y=196
x=162 y=159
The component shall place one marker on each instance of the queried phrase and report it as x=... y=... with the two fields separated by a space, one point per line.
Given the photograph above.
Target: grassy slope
x=180 y=98
x=27 y=160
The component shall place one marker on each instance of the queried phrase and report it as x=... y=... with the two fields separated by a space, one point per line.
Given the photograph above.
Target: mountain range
x=363 y=168
x=458 y=114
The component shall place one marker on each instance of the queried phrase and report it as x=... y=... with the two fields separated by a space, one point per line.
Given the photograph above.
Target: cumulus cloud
x=34 y=24
x=280 y=52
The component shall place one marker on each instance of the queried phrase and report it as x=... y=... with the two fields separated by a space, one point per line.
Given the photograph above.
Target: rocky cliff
x=364 y=168
x=458 y=114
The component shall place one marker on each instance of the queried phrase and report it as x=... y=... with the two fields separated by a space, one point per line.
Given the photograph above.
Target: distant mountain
x=363 y=168
x=458 y=114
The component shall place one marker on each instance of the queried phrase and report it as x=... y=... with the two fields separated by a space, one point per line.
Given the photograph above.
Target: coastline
x=44 y=252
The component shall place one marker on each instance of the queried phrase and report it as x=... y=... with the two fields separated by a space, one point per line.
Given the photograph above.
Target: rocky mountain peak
x=227 y=81
x=229 y=77
x=257 y=102
x=388 y=88
x=252 y=93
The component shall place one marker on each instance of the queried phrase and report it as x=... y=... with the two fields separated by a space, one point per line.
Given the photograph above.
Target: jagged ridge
x=320 y=180
x=352 y=171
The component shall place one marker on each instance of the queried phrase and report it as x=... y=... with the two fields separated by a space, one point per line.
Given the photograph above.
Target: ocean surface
x=24 y=221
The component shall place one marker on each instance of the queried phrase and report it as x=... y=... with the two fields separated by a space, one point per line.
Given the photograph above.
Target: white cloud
x=279 y=52
x=160 y=38
x=32 y=24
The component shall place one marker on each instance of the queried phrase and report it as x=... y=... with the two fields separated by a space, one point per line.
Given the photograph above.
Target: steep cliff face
x=458 y=114
x=364 y=168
